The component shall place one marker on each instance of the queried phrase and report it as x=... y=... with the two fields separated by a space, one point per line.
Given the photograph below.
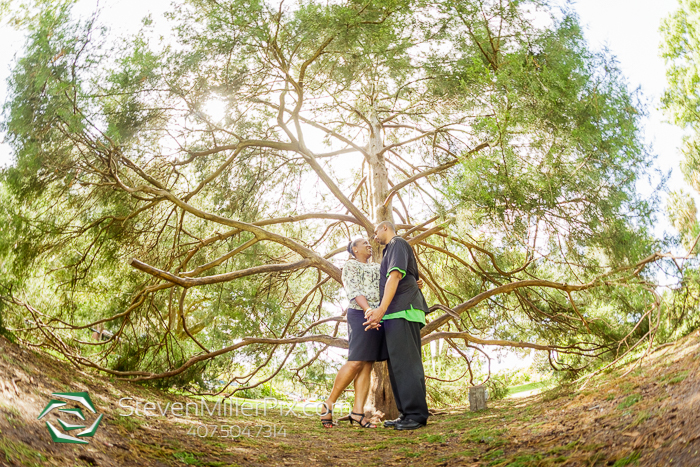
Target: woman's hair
x=352 y=244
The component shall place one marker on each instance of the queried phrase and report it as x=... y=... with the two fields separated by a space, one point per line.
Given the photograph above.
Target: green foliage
x=681 y=101
x=3 y=331
x=447 y=395
x=260 y=392
x=497 y=386
x=681 y=43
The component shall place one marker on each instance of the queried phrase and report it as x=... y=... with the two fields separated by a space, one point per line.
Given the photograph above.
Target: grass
x=435 y=438
x=566 y=447
x=16 y=451
x=556 y=393
x=187 y=458
x=642 y=416
x=408 y=452
x=494 y=456
x=524 y=460
x=632 y=458
x=526 y=387
x=130 y=424
x=674 y=378
x=490 y=436
x=629 y=401
x=507 y=434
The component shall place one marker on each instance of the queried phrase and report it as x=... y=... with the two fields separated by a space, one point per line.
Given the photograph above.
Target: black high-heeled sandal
x=327 y=423
x=366 y=424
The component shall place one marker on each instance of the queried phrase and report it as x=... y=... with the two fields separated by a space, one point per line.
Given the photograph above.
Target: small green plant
x=489 y=436
x=525 y=460
x=643 y=416
x=632 y=458
x=556 y=393
x=187 y=458
x=435 y=438
x=566 y=447
x=467 y=453
x=629 y=401
x=497 y=387
x=674 y=378
x=414 y=454
x=21 y=453
x=128 y=423
x=627 y=387
x=494 y=454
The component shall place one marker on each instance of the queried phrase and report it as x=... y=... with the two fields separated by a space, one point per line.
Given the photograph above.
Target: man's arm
x=375 y=315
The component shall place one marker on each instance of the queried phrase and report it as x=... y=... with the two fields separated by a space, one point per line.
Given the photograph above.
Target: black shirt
x=398 y=255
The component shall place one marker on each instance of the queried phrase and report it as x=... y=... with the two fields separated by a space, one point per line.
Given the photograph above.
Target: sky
x=629 y=30
x=632 y=36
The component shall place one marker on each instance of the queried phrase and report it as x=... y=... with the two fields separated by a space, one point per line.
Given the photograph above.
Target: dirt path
x=649 y=418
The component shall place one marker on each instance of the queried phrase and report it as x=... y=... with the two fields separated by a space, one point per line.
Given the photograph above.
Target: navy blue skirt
x=365 y=346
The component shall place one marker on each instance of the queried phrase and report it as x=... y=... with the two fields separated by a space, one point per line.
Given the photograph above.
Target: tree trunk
x=381 y=396
x=379 y=175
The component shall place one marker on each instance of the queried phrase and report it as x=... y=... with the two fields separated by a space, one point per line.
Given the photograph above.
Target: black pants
x=402 y=339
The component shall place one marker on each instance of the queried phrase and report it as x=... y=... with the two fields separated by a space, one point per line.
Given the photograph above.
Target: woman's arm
x=351 y=283
x=362 y=301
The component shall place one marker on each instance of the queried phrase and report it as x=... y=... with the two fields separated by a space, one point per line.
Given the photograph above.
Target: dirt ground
x=651 y=417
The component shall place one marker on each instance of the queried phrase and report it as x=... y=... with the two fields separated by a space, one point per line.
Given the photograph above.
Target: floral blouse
x=361 y=279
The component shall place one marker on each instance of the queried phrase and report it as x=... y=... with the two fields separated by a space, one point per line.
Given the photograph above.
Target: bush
x=144 y=352
x=260 y=392
x=447 y=395
x=497 y=387
x=3 y=331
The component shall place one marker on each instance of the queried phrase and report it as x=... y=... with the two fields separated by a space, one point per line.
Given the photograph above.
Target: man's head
x=384 y=232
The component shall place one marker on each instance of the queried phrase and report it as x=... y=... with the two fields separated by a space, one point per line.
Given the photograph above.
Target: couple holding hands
x=385 y=315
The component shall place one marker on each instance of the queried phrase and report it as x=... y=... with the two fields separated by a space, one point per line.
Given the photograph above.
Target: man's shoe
x=391 y=423
x=408 y=425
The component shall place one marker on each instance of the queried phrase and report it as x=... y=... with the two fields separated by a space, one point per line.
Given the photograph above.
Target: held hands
x=373 y=317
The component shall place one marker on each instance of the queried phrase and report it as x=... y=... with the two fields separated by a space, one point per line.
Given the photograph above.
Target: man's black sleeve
x=397 y=258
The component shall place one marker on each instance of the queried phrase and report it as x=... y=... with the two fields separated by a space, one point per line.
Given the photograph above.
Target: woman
x=361 y=282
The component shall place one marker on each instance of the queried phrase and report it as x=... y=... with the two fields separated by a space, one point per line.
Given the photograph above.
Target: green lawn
x=532 y=388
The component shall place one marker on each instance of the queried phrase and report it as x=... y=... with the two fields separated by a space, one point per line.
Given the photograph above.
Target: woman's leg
x=362 y=387
x=342 y=380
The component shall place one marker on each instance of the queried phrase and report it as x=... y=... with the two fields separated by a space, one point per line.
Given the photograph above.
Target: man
x=402 y=313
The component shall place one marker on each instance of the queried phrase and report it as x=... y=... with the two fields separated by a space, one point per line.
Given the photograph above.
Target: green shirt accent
x=416 y=316
x=396 y=269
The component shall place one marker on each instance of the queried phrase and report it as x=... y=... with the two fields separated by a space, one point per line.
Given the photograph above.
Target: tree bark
x=379 y=175
x=381 y=396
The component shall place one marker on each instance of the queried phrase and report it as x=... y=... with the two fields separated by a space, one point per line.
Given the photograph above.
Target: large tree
x=230 y=164
x=681 y=102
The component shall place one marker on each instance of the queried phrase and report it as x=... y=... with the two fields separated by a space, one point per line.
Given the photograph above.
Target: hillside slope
x=650 y=417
